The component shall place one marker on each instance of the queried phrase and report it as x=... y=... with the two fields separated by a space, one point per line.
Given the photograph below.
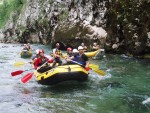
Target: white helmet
x=80 y=47
x=75 y=51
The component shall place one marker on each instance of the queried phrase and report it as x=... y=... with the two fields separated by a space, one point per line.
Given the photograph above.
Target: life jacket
x=79 y=59
x=57 y=52
x=41 y=61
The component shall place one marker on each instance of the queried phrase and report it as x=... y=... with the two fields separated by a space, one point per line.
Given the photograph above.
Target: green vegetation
x=64 y=15
x=7 y=7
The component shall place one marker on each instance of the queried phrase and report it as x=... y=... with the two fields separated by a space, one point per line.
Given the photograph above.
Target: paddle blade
x=100 y=72
x=18 y=64
x=17 y=72
x=93 y=66
x=27 y=77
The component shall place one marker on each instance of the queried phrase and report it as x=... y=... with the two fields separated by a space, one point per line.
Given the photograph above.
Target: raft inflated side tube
x=92 y=54
x=25 y=53
x=88 y=54
x=62 y=73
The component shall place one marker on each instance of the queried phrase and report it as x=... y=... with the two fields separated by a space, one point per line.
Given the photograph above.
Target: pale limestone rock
x=115 y=46
x=137 y=43
x=148 y=35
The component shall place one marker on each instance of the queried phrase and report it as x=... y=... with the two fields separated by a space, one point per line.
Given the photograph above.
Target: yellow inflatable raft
x=62 y=73
x=25 y=53
x=92 y=54
x=89 y=54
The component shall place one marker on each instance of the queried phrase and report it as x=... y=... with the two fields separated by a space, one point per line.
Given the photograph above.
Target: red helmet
x=69 y=49
x=41 y=51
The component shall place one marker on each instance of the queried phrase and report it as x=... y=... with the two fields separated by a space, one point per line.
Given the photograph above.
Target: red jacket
x=39 y=61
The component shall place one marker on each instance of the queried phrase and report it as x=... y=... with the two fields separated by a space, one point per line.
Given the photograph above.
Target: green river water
x=125 y=88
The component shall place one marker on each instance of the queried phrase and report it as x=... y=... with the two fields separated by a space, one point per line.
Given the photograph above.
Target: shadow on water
x=65 y=87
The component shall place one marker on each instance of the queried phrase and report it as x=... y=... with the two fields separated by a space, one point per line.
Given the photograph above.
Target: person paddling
x=57 y=54
x=42 y=60
x=69 y=52
x=81 y=58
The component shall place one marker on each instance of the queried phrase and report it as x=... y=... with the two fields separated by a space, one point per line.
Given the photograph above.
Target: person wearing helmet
x=69 y=52
x=81 y=58
x=84 y=47
x=42 y=60
x=75 y=52
x=69 y=55
x=57 y=54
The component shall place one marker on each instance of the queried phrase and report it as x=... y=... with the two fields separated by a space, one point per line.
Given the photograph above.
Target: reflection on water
x=125 y=89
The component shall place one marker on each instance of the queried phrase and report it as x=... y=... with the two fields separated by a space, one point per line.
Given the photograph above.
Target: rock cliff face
x=126 y=24
x=50 y=21
x=129 y=26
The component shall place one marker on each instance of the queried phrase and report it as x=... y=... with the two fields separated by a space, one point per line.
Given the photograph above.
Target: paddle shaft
x=97 y=71
x=28 y=76
x=77 y=63
x=15 y=73
x=28 y=69
x=18 y=64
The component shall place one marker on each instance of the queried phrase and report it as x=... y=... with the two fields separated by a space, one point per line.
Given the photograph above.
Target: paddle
x=94 y=66
x=100 y=72
x=18 y=64
x=19 y=72
x=27 y=77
